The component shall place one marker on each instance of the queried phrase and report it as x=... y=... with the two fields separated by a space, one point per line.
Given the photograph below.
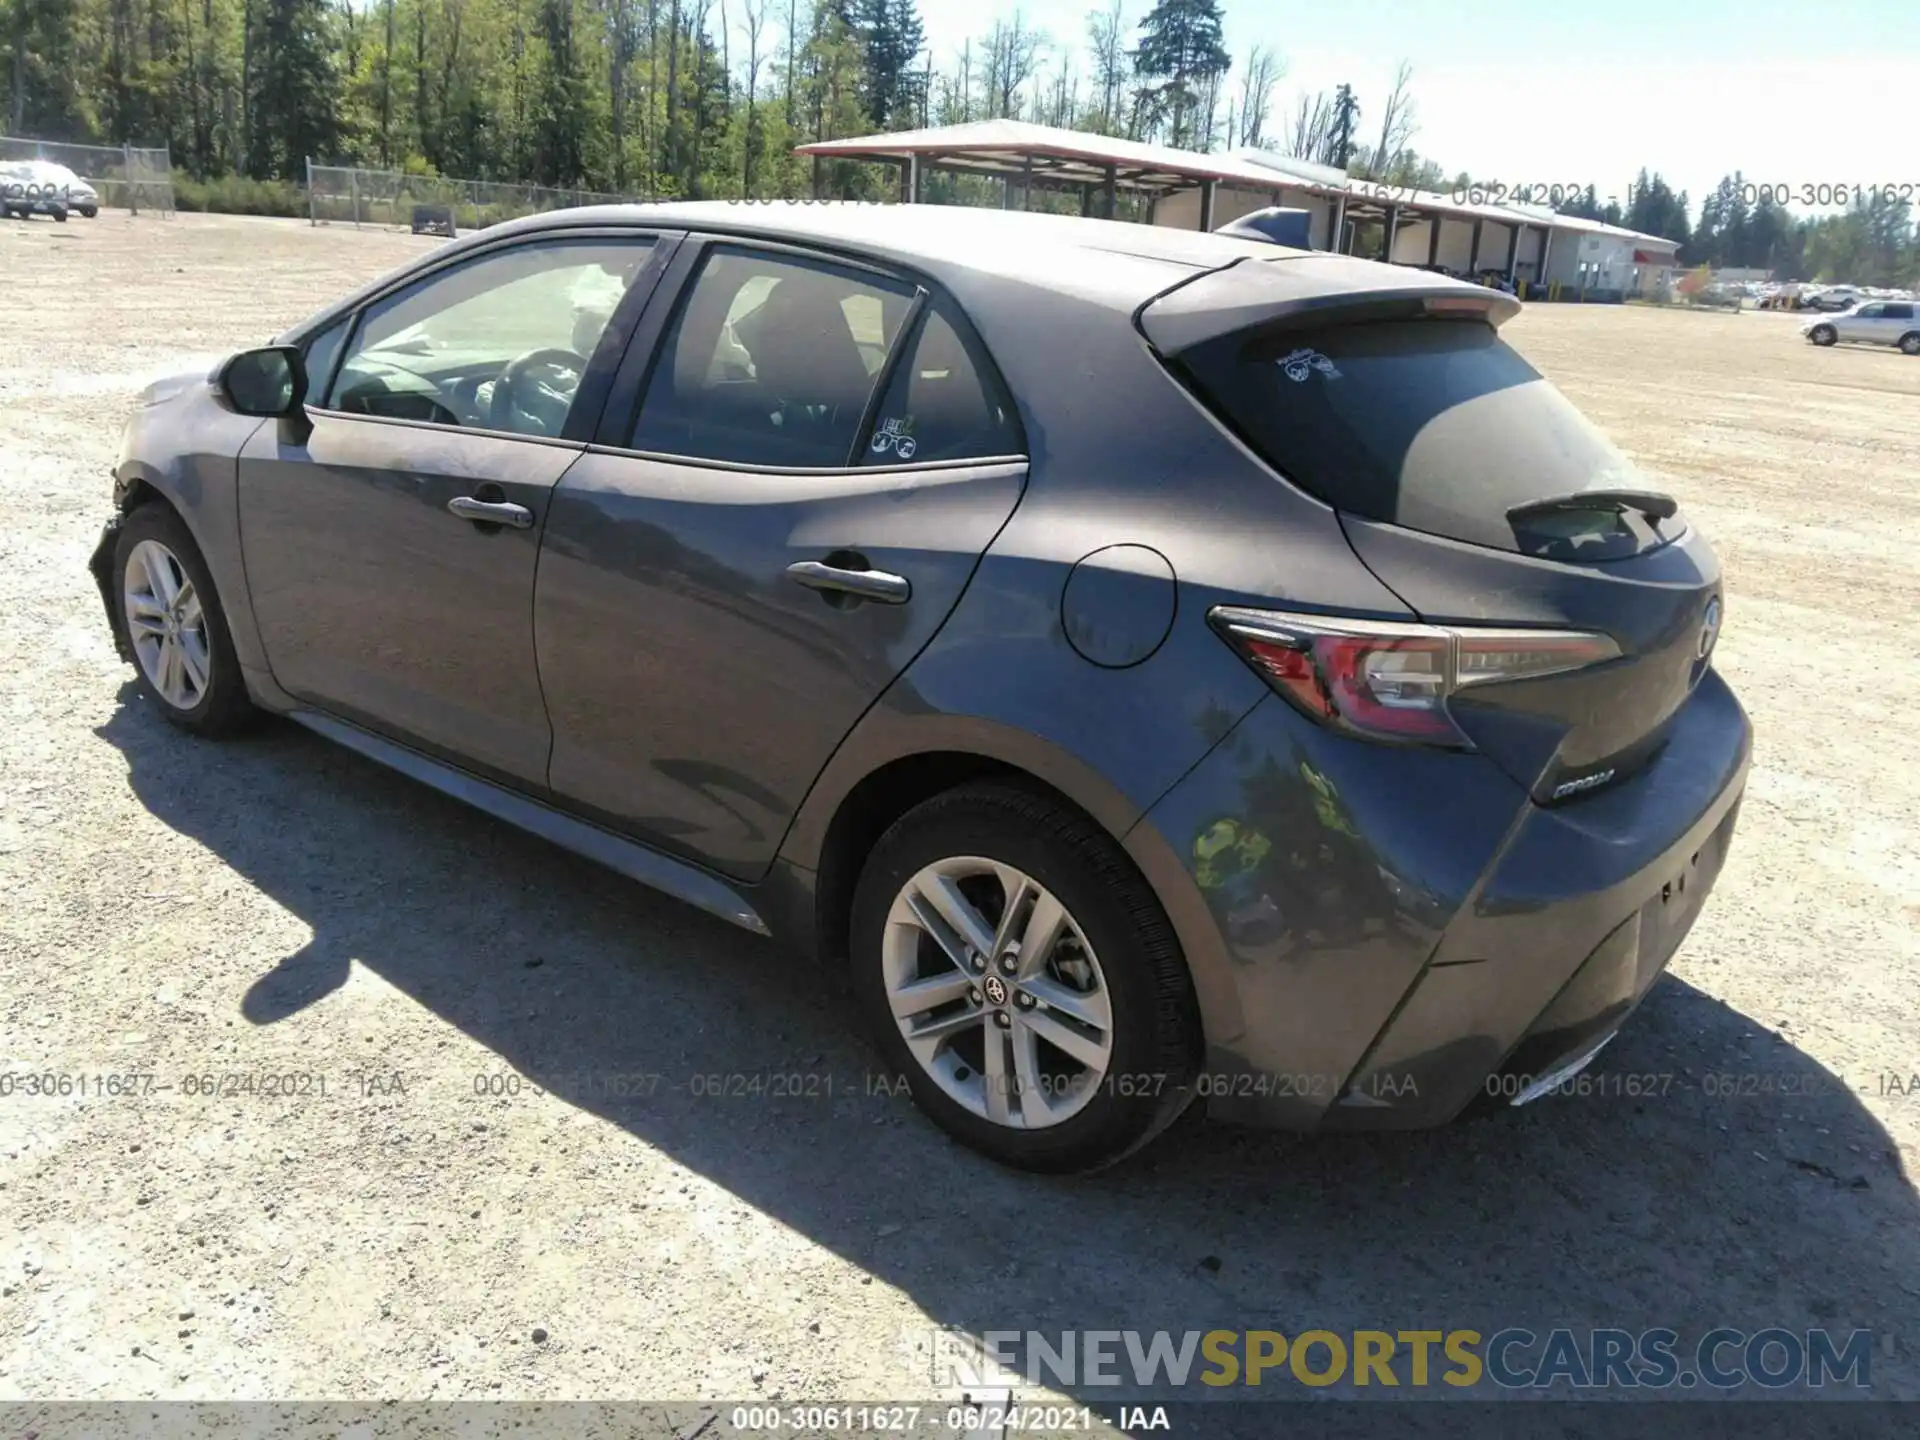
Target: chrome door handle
x=867 y=584
x=491 y=512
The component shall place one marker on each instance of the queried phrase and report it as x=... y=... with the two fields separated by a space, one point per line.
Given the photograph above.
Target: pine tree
x=291 y=113
x=1183 y=51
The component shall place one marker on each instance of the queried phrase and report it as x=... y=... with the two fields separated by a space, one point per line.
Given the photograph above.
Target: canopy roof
x=1049 y=154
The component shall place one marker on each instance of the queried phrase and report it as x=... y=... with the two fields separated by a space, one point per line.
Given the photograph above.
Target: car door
x=390 y=556
x=733 y=575
x=1862 y=322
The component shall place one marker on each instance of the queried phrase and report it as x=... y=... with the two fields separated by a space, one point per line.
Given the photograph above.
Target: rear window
x=1437 y=425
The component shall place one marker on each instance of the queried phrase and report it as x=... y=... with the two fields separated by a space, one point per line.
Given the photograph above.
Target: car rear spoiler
x=1302 y=291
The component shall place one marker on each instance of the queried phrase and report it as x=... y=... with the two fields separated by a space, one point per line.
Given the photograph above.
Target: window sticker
x=1302 y=363
x=895 y=434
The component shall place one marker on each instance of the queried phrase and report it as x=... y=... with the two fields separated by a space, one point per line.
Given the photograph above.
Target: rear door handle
x=491 y=512
x=867 y=584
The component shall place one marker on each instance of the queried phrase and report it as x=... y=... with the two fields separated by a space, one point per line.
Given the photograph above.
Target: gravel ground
x=459 y=1202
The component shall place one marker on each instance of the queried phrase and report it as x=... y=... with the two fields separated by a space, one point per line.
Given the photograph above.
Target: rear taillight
x=1389 y=681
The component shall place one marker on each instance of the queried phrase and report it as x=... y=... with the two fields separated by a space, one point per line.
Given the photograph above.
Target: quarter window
x=499 y=343
x=944 y=401
x=771 y=361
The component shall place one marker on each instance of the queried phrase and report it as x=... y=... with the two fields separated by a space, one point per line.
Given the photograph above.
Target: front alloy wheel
x=167 y=625
x=172 y=626
x=997 y=993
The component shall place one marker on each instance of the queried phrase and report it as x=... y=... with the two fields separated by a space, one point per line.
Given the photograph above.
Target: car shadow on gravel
x=1740 y=1184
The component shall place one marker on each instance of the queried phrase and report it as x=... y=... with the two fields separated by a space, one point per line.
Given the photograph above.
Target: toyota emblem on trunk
x=1709 y=629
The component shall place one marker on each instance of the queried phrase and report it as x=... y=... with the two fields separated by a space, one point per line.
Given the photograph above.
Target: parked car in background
x=81 y=197
x=24 y=194
x=1150 y=666
x=1839 y=297
x=1876 y=322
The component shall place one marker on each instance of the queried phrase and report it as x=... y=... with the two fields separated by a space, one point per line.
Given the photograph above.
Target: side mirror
x=270 y=382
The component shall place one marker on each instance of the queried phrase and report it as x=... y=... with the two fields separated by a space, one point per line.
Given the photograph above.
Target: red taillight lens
x=1390 y=681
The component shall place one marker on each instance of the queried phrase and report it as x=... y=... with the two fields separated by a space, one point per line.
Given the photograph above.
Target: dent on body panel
x=1331 y=868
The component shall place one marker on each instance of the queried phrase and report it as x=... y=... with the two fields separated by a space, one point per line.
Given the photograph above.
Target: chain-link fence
x=344 y=194
x=124 y=177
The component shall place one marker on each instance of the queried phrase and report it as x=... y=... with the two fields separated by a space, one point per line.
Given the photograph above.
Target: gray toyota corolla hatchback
x=1154 y=665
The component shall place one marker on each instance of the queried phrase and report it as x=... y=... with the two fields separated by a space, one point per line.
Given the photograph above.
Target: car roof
x=1092 y=259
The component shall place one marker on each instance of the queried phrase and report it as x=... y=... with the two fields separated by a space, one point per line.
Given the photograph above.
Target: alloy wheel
x=167 y=625
x=997 y=993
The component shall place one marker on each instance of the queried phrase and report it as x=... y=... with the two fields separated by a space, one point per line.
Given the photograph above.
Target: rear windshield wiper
x=1654 y=504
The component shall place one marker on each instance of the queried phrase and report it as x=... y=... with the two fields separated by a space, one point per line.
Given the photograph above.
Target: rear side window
x=771 y=361
x=1437 y=425
x=1899 y=312
x=944 y=401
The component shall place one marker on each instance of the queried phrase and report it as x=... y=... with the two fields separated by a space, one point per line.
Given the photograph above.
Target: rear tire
x=172 y=623
x=1823 y=335
x=1910 y=344
x=989 y=1067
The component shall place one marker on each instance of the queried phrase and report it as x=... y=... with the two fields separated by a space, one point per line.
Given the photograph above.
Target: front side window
x=499 y=343
x=944 y=401
x=771 y=361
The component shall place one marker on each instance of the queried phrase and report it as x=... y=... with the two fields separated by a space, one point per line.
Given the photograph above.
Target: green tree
x=1181 y=54
x=291 y=111
x=41 y=69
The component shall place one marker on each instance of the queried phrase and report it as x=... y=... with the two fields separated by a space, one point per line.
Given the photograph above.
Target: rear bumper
x=1406 y=932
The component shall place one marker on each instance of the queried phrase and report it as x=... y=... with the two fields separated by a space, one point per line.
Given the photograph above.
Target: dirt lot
x=280 y=907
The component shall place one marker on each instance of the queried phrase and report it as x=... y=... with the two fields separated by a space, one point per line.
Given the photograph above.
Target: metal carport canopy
x=1018 y=148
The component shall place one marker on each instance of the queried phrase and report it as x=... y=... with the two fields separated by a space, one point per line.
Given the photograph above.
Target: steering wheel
x=519 y=389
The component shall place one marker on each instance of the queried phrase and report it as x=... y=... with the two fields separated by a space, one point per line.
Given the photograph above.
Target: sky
x=1531 y=92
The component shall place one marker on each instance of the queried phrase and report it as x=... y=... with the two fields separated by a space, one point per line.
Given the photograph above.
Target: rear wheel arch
x=889 y=790
x=870 y=808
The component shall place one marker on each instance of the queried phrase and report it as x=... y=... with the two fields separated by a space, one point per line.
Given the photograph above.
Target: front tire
x=170 y=618
x=1823 y=335
x=1014 y=966
x=1910 y=344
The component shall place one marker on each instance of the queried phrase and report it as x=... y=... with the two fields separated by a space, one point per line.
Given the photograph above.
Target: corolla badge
x=1302 y=363
x=1709 y=629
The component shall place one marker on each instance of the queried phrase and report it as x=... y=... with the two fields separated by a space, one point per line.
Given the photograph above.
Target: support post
x=1026 y=184
x=1086 y=199
x=1393 y=232
x=913 y=179
x=126 y=171
x=1473 y=257
x=1110 y=193
x=1546 y=248
x=353 y=181
x=1206 y=205
x=1513 y=250
x=312 y=218
x=1337 y=231
x=1433 y=239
